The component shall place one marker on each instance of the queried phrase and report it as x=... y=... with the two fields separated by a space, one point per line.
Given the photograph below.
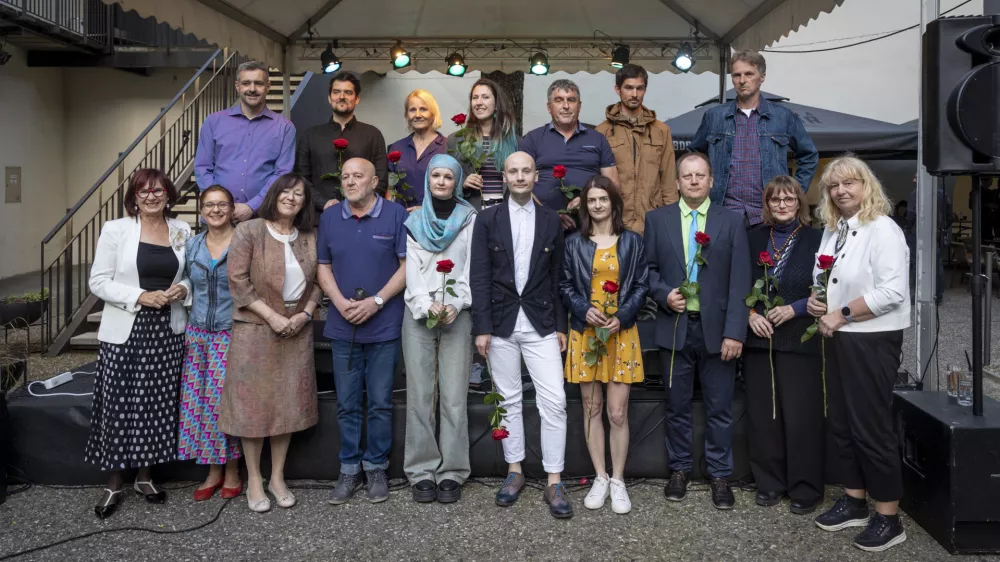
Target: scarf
x=434 y=234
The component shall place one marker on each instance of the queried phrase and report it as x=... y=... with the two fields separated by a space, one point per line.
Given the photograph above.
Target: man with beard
x=566 y=153
x=643 y=149
x=748 y=140
x=318 y=153
x=246 y=147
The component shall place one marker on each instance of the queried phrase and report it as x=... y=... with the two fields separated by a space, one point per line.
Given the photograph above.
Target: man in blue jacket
x=747 y=141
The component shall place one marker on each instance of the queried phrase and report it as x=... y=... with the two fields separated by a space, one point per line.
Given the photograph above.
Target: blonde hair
x=432 y=104
x=874 y=202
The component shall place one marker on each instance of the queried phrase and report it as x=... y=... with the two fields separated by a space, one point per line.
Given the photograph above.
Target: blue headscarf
x=434 y=234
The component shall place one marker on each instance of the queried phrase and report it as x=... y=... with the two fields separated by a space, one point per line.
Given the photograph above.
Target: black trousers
x=787 y=449
x=863 y=449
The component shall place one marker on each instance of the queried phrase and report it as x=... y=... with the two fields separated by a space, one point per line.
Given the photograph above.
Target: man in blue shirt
x=246 y=147
x=361 y=250
x=565 y=142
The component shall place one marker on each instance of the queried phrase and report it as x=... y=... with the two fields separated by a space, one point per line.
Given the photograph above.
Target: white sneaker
x=598 y=493
x=619 y=497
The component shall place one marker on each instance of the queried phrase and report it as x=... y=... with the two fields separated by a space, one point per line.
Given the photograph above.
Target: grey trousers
x=438 y=362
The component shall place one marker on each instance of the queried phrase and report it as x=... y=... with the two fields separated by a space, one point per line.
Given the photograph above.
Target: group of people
x=540 y=249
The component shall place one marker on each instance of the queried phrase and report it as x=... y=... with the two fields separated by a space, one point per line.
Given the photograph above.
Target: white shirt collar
x=514 y=207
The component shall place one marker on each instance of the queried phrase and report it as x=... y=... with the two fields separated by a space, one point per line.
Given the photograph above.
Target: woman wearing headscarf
x=437 y=334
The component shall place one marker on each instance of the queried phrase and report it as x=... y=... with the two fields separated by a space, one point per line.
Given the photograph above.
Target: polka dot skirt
x=134 y=419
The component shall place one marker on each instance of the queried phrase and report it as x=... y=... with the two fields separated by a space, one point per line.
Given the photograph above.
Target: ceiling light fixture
x=399 y=56
x=456 y=64
x=539 y=64
x=329 y=61
x=619 y=56
x=684 y=59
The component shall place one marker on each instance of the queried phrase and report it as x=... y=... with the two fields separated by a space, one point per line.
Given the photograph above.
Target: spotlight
x=685 y=58
x=456 y=64
x=619 y=56
x=539 y=64
x=329 y=61
x=399 y=56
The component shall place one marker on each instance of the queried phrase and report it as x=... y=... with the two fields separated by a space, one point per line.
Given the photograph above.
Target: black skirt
x=134 y=419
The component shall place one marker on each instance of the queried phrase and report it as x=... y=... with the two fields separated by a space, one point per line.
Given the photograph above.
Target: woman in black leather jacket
x=605 y=281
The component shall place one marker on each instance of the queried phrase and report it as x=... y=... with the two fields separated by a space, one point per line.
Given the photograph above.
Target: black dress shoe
x=722 y=494
x=449 y=491
x=424 y=491
x=804 y=507
x=768 y=499
x=677 y=487
x=108 y=503
x=150 y=491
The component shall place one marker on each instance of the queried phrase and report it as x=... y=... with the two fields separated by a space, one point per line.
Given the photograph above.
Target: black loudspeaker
x=961 y=126
x=951 y=469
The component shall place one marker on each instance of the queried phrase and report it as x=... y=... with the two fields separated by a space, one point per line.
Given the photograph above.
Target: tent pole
x=286 y=83
x=723 y=70
x=927 y=246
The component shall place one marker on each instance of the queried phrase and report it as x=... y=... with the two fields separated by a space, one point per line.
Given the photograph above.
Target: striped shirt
x=745 y=194
x=492 y=180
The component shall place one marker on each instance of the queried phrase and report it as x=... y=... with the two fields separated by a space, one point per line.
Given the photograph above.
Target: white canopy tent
x=494 y=34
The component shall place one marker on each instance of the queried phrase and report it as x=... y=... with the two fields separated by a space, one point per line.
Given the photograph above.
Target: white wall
x=31 y=134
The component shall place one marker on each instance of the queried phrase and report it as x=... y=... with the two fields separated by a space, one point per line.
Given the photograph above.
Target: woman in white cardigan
x=437 y=335
x=137 y=272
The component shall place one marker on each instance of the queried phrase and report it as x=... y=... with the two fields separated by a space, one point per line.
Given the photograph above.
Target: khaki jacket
x=644 y=153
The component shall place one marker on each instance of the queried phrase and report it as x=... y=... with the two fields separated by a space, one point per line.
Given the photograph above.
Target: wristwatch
x=846 y=312
x=378 y=301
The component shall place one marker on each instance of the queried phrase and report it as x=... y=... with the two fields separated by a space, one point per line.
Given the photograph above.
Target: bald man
x=517 y=255
x=362 y=255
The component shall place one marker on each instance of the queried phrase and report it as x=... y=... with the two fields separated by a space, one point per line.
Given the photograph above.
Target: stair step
x=95 y=317
x=85 y=341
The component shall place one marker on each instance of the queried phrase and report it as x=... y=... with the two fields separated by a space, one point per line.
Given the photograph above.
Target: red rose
x=765 y=259
x=701 y=238
x=458 y=119
x=500 y=433
x=340 y=144
x=825 y=262
x=559 y=172
x=445 y=266
x=393 y=156
x=610 y=287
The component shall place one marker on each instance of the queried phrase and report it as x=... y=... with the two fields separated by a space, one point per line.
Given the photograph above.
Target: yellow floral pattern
x=623 y=363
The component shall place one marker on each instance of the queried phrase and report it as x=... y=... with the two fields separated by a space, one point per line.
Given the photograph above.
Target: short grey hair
x=563 y=84
x=251 y=65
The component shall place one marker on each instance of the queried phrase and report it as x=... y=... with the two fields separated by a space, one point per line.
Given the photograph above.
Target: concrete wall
x=32 y=128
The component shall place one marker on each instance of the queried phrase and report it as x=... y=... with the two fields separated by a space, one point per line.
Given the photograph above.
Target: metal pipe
x=988 y=312
x=977 y=297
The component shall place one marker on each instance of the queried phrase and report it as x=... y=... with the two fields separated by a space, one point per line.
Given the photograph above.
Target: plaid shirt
x=746 y=190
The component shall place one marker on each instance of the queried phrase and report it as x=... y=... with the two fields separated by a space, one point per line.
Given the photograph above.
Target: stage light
x=539 y=64
x=619 y=56
x=329 y=61
x=456 y=64
x=685 y=58
x=399 y=56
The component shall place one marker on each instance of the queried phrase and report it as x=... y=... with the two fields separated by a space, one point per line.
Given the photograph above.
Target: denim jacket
x=211 y=305
x=779 y=130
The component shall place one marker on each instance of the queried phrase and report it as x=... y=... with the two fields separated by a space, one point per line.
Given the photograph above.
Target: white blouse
x=422 y=277
x=295 y=279
x=874 y=263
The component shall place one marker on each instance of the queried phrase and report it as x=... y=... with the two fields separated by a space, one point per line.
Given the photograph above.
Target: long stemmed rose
x=396 y=178
x=559 y=172
x=599 y=346
x=825 y=264
x=444 y=267
x=499 y=413
x=340 y=145
x=761 y=293
x=468 y=146
x=689 y=289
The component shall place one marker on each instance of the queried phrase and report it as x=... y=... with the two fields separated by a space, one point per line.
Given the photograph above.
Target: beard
x=342 y=113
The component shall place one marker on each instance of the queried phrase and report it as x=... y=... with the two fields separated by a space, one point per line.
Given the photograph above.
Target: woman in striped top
x=491 y=113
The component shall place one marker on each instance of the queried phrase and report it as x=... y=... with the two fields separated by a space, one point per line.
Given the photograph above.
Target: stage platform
x=48 y=436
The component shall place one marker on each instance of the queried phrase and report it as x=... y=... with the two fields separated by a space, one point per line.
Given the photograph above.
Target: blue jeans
x=372 y=368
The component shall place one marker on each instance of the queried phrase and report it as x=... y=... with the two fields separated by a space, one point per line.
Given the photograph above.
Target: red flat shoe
x=228 y=493
x=201 y=495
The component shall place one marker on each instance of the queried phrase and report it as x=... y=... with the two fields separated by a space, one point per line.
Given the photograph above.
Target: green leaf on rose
x=778 y=301
x=452 y=292
x=590 y=358
x=603 y=334
x=751 y=301
x=810 y=332
x=759 y=284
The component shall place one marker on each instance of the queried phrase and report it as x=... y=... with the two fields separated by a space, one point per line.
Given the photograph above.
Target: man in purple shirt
x=246 y=147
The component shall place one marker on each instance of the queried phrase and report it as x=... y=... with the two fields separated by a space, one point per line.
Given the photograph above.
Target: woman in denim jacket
x=208 y=333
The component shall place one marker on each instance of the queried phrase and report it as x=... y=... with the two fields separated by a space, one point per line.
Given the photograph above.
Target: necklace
x=274 y=226
x=778 y=252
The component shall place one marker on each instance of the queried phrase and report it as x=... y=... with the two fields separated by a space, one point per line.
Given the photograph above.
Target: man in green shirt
x=702 y=334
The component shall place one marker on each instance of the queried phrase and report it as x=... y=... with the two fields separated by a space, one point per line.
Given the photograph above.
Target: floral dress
x=623 y=363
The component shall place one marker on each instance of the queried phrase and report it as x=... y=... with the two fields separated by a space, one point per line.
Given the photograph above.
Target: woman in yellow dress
x=604 y=286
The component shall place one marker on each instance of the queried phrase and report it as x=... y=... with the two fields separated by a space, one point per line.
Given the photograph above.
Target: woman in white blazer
x=138 y=273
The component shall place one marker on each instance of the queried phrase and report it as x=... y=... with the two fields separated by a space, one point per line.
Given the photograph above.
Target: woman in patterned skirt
x=208 y=331
x=137 y=272
x=604 y=286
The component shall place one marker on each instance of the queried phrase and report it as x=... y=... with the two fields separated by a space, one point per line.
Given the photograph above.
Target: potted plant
x=27 y=308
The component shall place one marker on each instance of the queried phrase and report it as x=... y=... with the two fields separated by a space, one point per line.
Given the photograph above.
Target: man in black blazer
x=710 y=327
x=517 y=254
